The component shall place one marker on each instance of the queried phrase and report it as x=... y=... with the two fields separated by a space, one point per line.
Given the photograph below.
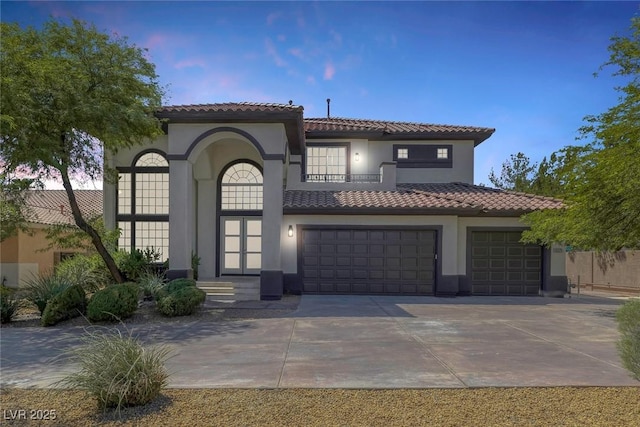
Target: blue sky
x=524 y=68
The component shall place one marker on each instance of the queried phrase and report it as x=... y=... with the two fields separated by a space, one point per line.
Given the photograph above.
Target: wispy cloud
x=273 y=53
x=273 y=17
x=337 y=37
x=190 y=63
x=297 y=52
x=311 y=80
x=155 y=40
x=329 y=70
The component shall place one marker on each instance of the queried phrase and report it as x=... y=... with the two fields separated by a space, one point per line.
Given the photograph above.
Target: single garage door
x=501 y=265
x=368 y=261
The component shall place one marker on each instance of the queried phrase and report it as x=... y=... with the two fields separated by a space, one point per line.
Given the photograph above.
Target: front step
x=230 y=291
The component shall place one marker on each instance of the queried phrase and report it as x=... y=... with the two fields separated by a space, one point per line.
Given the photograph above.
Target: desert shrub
x=70 y=303
x=172 y=287
x=628 y=317
x=88 y=271
x=42 y=287
x=113 y=303
x=117 y=370
x=9 y=304
x=150 y=283
x=137 y=263
x=179 y=297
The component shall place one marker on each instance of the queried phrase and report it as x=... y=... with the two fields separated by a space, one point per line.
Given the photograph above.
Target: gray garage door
x=501 y=265
x=368 y=261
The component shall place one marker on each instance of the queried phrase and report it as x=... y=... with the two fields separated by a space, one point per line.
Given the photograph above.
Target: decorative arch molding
x=237 y=131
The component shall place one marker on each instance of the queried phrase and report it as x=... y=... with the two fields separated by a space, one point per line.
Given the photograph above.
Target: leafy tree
x=68 y=92
x=601 y=179
x=518 y=174
x=547 y=178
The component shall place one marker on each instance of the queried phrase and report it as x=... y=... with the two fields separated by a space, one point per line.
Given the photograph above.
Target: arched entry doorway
x=240 y=207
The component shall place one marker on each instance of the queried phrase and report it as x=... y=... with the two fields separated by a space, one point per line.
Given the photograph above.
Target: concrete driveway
x=368 y=342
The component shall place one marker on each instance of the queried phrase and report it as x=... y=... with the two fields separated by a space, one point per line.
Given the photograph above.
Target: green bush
x=117 y=370
x=9 y=304
x=70 y=303
x=179 y=297
x=113 y=303
x=88 y=271
x=628 y=317
x=137 y=263
x=43 y=287
x=150 y=283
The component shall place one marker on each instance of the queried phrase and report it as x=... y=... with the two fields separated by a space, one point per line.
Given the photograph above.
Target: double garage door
x=368 y=261
x=501 y=265
x=402 y=262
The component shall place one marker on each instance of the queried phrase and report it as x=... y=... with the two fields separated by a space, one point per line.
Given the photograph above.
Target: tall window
x=242 y=188
x=143 y=204
x=326 y=164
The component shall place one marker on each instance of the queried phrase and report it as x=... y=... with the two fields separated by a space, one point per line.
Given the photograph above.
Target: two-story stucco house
x=326 y=205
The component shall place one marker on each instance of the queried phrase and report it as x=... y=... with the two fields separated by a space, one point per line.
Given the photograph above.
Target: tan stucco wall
x=611 y=269
x=20 y=258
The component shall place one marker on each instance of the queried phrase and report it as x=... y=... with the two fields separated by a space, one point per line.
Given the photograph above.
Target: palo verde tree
x=601 y=178
x=68 y=92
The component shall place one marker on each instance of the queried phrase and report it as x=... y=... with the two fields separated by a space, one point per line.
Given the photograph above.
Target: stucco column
x=271 y=281
x=207 y=228
x=181 y=214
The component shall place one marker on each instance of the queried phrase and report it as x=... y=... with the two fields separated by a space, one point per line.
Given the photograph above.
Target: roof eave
x=476 y=137
x=291 y=119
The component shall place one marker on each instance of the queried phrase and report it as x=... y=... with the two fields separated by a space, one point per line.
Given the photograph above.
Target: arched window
x=241 y=188
x=143 y=204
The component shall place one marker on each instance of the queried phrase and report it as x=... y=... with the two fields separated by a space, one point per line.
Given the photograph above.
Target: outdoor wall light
x=290 y=232
x=357 y=157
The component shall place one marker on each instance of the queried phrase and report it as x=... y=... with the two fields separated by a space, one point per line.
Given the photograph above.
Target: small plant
x=117 y=370
x=137 y=263
x=9 y=304
x=628 y=317
x=113 y=303
x=87 y=271
x=180 y=297
x=70 y=303
x=41 y=288
x=150 y=283
x=195 y=263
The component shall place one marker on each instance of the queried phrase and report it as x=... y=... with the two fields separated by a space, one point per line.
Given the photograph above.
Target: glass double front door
x=241 y=245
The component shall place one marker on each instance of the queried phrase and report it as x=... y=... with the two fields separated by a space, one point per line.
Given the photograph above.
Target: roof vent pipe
x=328 y=109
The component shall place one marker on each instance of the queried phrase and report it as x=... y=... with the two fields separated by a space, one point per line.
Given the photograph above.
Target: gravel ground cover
x=558 y=406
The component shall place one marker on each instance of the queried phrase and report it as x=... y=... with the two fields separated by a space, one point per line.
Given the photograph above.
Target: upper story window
x=326 y=163
x=423 y=156
x=143 y=204
x=241 y=187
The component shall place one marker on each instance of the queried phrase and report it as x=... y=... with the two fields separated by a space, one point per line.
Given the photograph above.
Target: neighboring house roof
x=319 y=127
x=52 y=206
x=455 y=198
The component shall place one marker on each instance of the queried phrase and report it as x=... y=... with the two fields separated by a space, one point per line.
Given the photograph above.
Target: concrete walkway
x=368 y=342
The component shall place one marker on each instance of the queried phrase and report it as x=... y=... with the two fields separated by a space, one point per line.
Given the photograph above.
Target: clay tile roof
x=230 y=107
x=339 y=124
x=52 y=206
x=450 y=197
